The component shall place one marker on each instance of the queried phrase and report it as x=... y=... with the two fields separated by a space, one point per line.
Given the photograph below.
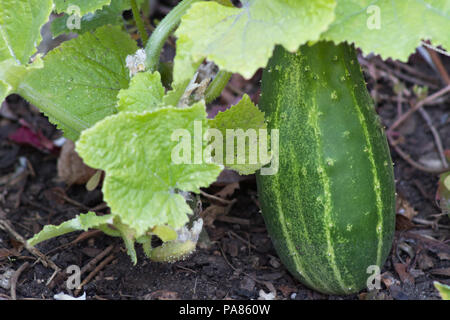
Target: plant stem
x=139 y=22
x=163 y=31
x=217 y=85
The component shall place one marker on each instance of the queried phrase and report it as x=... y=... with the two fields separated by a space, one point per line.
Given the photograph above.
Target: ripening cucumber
x=330 y=209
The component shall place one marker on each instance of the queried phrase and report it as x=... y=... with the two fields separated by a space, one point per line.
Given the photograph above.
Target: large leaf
x=392 y=29
x=11 y=75
x=144 y=94
x=248 y=119
x=109 y=14
x=20 y=25
x=143 y=182
x=79 y=83
x=85 y=6
x=242 y=39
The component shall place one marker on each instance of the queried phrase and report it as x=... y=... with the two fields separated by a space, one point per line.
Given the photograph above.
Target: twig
x=413 y=71
x=94 y=273
x=440 y=67
x=96 y=260
x=384 y=67
x=247 y=242
x=4 y=225
x=436 y=136
x=214 y=198
x=408 y=158
x=235 y=220
x=15 y=278
x=63 y=275
x=419 y=105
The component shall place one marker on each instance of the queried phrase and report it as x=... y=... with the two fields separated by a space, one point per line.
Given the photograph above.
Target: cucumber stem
x=139 y=22
x=217 y=85
x=163 y=31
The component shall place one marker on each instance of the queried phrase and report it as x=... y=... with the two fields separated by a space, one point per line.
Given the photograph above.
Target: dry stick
x=408 y=159
x=97 y=259
x=247 y=242
x=413 y=71
x=62 y=276
x=4 y=225
x=15 y=278
x=215 y=198
x=385 y=68
x=439 y=65
x=419 y=105
x=436 y=136
x=94 y=273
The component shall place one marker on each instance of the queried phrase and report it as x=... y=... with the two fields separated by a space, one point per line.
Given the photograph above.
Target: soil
x=239 y=262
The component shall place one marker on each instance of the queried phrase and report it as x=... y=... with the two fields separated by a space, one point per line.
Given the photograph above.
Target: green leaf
x=183 y=71
x=244 y=116
x=20 y=26
x=83 y=222
x=144 y=94
x=85 y=6
x=227 y=3
x=241 y=40
x=443 y=192
x=392 y=29
x=110 y=14
x=79 y=83
x=12 y=74
x=143 y=183
x=443 y=289
x=4 y=52
x=5 y=89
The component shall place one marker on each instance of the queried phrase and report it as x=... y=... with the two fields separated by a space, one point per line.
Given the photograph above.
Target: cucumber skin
x=330 y=209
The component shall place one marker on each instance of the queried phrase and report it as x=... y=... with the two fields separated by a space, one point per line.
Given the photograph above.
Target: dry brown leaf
x=389 y=280
x=71 y=168
x=287 y=290
x=425 y=261
x=402 y=223
x=228 y=191
x=210 y=214
x=405 y=209
x=404 y=275
x=5 y=253
x=229 y=176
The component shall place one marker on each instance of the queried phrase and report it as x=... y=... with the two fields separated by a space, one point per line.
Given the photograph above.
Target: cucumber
x=330 y=209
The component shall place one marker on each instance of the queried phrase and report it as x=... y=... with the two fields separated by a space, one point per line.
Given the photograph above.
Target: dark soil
x=240 y=261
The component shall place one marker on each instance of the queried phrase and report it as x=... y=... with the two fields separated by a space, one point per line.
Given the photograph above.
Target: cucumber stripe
x=283 y=223
x=328 y=205
x=376 y=179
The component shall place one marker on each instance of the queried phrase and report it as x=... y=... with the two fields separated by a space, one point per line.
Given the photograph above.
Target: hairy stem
x=139 y=22
x=217 y=85
x=163 y=31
